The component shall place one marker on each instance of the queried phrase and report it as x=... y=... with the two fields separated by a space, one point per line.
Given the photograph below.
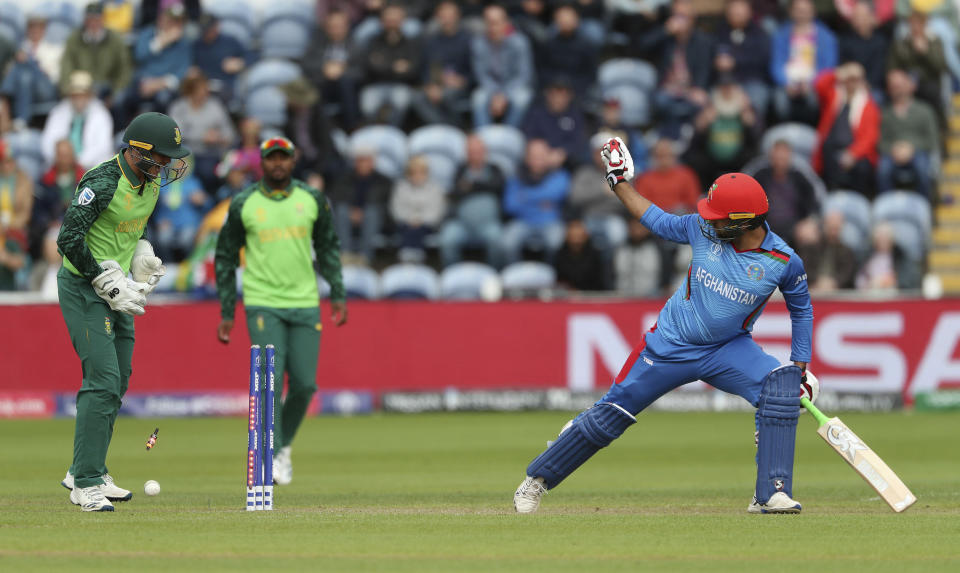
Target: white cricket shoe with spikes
x=90 y=498
x=283 y=467
x=527 y=497
x=111 y=491
x=778 y=503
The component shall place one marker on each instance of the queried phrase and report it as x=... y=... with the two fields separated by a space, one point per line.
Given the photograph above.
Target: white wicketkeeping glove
x=121 y=293
x=617 y=162
x=145 y=266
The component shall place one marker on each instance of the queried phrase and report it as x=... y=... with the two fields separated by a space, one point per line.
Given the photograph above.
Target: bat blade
x=867 y=463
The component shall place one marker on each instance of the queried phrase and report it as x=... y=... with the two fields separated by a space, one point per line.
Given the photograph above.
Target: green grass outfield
x=433 y=493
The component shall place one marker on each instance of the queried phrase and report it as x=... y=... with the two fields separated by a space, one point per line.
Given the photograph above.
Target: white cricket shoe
x=90 y=498
x=283 y=467
x=778 y=503
x=111 y=491
x=527 y=497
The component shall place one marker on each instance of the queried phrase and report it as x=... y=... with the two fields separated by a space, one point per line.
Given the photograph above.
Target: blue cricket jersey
x=726 y=290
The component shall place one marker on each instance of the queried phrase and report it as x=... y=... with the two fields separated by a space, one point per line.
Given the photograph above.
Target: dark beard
x=276 y=183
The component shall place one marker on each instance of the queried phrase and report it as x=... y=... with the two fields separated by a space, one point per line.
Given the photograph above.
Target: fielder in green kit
x=278 y=219
x=101 y=239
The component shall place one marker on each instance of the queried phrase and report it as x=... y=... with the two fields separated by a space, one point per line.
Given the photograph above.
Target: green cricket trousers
x=103 y=339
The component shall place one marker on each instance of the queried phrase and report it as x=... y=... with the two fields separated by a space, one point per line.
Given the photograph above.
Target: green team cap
x=277 y=144
x=156 y=132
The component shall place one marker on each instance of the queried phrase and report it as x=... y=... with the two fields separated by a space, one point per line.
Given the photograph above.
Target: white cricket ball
x=151 y=487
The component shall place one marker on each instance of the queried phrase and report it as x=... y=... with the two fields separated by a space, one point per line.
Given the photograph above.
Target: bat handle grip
x=820 y=416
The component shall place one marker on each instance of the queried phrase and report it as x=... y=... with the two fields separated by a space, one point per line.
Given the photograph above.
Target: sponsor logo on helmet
x=755 y=271
x=141 y=144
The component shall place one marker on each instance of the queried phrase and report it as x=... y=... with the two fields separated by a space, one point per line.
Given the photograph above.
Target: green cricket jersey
x=106 y=218
x=278 y=229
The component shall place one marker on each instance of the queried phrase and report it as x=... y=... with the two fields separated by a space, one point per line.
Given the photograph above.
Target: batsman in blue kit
x=703 y=333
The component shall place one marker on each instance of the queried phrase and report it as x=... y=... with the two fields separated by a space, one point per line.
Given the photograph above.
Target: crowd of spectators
x=863 y=82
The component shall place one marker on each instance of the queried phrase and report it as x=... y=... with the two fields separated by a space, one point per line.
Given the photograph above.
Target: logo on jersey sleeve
x=86 y=196
x=755 y=271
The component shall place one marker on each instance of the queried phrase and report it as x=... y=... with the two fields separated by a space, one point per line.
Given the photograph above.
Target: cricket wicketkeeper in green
x=101 y=240
x=278 y=220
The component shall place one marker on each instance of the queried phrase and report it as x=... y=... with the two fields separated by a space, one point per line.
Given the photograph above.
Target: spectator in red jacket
x=849 y=130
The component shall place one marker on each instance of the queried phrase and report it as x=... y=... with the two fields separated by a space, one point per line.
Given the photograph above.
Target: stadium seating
x=410 y=281
x=12 y=23
x=361 y=282
x=63 y=19
x=25 y=148
x=528 y=275
x=285 y=38
x=469 y=281
x=858 y=219
x=444 y=145
x=909 y=214
x=634 y=104
x=269 y=72
x=627 y=71
x=268 y=105
x=370 y=27
x=390 y=144
x=505 y=146
x=236 y=19
x=802 y=138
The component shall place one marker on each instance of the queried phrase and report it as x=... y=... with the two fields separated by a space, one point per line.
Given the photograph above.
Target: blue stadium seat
x=285 y=38
x=910 y=215
x=370 y=27
x=627 y=72
x=63 y=19
x=25 y=148
x=909 y=238
x=802 y=138
x=505 y=146
x=268 y=104
x=410 y=281
x=236 y=19
x=467 y=281
x=269 y=72
x=12 y=23
x=439 y=140
x=634 y=103
x=858 y=219
x=303 y=11
x=446 y=148
x=904 y=206
x=361 y=282
x=528 y=275
x=390 y=144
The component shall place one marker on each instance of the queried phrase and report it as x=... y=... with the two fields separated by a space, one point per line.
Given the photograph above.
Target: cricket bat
x=867 y=463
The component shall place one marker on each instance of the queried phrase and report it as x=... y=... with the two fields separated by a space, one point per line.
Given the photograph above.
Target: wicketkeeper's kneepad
x=777 y=415
x=592 y=430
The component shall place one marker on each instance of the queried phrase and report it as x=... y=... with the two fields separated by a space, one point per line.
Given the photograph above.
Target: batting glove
x=146 y=267
x=617 y=162
x=809 y=387
x=121 y=293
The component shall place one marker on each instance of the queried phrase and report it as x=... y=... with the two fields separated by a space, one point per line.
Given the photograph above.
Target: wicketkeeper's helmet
x=154 y=132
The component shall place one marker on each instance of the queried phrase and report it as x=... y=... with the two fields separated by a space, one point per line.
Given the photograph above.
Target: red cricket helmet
x=734 y=196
